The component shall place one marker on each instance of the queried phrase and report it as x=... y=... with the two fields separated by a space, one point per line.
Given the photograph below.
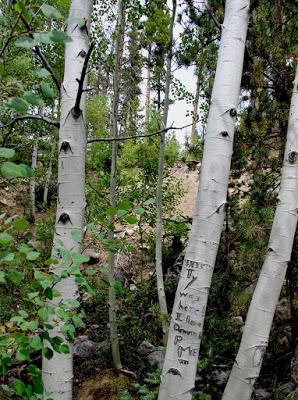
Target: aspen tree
x=256 y=331
x=113 y=181
x=179 y=371
x=57 y=372
x=161 y=162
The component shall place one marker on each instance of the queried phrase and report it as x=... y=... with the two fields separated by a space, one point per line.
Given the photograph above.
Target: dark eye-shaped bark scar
x=64 y=218
x=174 y=371
x=224 y=134
x=65 y=147
x=82 y=54
x=292 y=157
x=233 y=112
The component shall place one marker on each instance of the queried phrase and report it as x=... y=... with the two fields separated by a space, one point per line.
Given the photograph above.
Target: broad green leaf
x=23 y=313
x=121 y=213
x=26 y=172
x=32 y=98
x=48 y=353
x=77 y=321
x=64 y=348
x=41 y=73
x=21 y=8
x=32 y=256
x=139 y=210
x=8 y=258
x=131 y=219
x=49 y=293
x=19 y=105
x=7 y=153
x=42 y=37
x=118 y=287
x=47 y=91
x=2 y=277
x=111 y=211
x=18 y=386
x=149 y=202
x=125 y=205
x=50 y=11
x=60 y=37
x=36 y=343
x=77 y=235
x=43 y=314
x=26 y=42
x=22 y=355
x=5 y=238
x=12 y=170
x=38 y=385
x=79 y=259
x=15 y=276
x=20 y=224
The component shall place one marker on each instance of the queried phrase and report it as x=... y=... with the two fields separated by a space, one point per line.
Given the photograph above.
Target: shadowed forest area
x=148 y=200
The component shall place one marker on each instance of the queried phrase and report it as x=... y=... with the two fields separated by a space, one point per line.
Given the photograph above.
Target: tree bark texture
x=58 y=371
x=113 y=182
x=260 y=315
x=179 y=371
x=161 y=162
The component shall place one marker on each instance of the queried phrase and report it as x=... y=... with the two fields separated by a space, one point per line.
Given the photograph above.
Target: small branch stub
x=233 y=112
x=292 y=157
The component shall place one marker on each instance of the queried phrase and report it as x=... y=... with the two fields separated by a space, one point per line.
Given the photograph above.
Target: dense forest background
x=133 y=38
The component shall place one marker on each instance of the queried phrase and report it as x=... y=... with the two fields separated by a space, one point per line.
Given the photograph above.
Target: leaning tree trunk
x=179 y=371
x=148 y=88
x=194 y=134
x=262 y=307
x=161 y=162
x=113 y=183
x=58 y=371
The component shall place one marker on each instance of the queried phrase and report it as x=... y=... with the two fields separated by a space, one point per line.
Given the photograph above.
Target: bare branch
x=145 y=135
x=212 y=16
x=10 y=36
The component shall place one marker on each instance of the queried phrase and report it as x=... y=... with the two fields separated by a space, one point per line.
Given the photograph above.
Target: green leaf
x=111 y=211
x=43 y=314
x=32 y=256
x=77 y=235
x=43 y=37
x=22 y=355
x=131 y=219
x=79 y=259
x=81 y=22
x=149 y=202
x=125 y=205
x=2 y=277
x=50 y=11
x=33 y=99
x=26 y=42
x=25 y=171
x=60 y=37
x=19 y=105
x=77 y=321
x=20 y=224
x=21 y=8
x=8 y=258
x=38 y=385
x=121 y=213
x=48 y=353
x=12 y=170
x=49 y=293
x=23 y=313
x=36 y=343
x=18 y=386
x=5 y=238
x=6 y=153
x=139 y=210
x=118 y=287
x=47 y=91
x=41 y=73
x=64 y=348
x=15 y=277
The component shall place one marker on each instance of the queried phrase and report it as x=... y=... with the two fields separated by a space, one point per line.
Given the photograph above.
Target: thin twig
x=10 y=36
x=212 y=16
x=145 y=135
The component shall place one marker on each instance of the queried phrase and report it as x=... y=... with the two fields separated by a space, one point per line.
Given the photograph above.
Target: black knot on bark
x=65 y=146
x=76 y=112
x=233 y=112
x=82 y=53
x=224 y=134
x=64 y=218
x=292 y=157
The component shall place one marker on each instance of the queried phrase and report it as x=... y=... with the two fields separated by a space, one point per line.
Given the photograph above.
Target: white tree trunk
x=32 y=180
x=113 y=182
x=194 y=134
x=179 y=371
x=161 y=162
x=58 y=372
x=261 y=311
x=148 y=89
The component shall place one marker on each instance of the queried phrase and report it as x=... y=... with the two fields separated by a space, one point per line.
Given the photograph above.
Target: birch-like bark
x=194 y=134
x=32 y=180
x=57 y=372
x=148 y=89
x=179 y=370
x=256 y=332
x=113 y=182
x=161 y=162
x=49 y=173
